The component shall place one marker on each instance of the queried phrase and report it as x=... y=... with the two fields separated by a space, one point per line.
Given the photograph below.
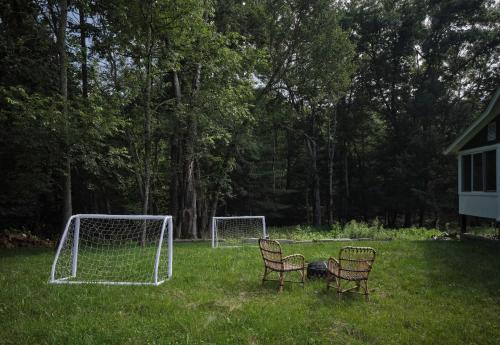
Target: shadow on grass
x=462 y=266
x=255 y=286
x=330 y=297
x=26 y=252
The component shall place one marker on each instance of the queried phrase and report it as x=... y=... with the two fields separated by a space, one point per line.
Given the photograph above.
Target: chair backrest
x=271 y=252
x=357 y=259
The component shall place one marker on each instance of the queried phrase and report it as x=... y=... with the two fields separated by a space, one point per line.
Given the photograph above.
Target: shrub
x=354 y=230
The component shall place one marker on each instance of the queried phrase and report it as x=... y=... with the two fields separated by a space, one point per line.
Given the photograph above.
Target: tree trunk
x=332 y=129
x=174 y=182
x=137 y=172
x=289 y=155
x=190 y=212
x=316 y=186
x=63 y=74
x=203 y=210
x=176 y=154
x=421 y=216
x=147 y=128
x=275 y=144
x=83 y=46
x=407 y=219
x=313 y=151
x=68 y=200
x=308 y=207
x=186 y=178
x=312 y=146
x=346 y=182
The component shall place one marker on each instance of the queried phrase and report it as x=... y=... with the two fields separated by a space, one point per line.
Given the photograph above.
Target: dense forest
x=305 y=111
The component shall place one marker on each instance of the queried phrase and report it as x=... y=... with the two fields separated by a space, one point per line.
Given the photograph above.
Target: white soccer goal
x=237 y=231
x=114 y=249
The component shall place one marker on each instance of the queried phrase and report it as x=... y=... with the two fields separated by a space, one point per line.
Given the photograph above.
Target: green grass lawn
x=422 y=292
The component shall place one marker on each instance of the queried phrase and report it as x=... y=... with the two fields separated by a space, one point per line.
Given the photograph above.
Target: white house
x=478 y=153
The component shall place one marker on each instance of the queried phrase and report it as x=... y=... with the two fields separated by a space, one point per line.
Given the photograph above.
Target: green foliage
x=242 y=98
x=28 y=55
x=421 y=292
x=353 y=230
x=29 y=159
x=487 y=231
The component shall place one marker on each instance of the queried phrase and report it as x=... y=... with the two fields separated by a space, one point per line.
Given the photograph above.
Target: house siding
x=481 y=138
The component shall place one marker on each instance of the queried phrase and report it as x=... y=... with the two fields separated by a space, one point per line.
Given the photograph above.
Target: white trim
x=60 y=281
x=77 y=217
x=213 y=232
x=76 y=241
x=120 y=216
x=215 y=242
x=235 y=217
x=476 y=193
x=479 y=149
x=472 y=152
x=58 y=252
x=265 y=227
x=476 y=126
x=170 y=247
x=158 y=250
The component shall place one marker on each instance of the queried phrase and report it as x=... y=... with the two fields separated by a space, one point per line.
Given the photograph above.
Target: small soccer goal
x=237 y=231
x=114 y=249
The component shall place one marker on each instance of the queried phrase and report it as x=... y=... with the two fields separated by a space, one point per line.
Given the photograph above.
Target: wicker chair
x=354 y=265
x=274 y=261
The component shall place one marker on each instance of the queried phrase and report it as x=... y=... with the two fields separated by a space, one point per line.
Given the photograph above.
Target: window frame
x=471 y=152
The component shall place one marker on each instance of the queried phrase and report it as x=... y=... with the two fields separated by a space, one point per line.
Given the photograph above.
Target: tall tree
x=83 y=48
x=316 y=77
x=147 y=111
x=63 y=79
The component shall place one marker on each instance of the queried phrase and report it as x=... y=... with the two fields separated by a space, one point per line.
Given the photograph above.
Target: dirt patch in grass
x=19 y=239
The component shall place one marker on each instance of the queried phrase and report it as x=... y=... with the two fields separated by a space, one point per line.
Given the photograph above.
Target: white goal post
x=237 y=231
x=115 y=250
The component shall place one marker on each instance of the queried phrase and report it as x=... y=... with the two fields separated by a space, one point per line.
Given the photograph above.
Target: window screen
x=491 y=171
x=477 y=172
x=466 y=173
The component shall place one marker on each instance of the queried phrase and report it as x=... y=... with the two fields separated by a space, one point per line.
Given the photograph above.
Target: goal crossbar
x=216 y=234
x=74 y=223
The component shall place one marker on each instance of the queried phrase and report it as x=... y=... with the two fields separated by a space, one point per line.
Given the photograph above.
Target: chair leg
x=264 y=276
x=366 y=287
x=282 y=281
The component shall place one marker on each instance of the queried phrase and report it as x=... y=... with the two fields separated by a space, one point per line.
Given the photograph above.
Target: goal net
x=237 y=231
x=114 y=249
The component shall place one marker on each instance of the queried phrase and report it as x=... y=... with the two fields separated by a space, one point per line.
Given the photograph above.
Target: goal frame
x=167 y=225
x=214 y=232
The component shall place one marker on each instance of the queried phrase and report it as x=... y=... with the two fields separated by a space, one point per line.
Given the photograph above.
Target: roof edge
x=474 y=128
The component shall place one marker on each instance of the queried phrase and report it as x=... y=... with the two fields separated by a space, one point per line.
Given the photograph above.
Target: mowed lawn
x=422 y=292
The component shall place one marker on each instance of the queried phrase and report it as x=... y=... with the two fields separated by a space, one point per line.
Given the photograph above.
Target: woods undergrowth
x=307 y=112
x=353 y=230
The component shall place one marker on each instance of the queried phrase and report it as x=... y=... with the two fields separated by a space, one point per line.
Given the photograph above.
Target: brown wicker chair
x=274 y=261
x=354 y=265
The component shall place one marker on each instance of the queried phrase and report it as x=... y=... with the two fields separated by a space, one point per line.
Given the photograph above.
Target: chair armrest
x=333 y=265
x=297 y=259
